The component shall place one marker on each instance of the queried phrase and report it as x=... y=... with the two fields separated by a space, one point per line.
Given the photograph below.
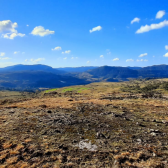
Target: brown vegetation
x=103 y=127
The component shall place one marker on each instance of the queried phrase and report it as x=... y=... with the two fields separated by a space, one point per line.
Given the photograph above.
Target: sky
x=73 y=33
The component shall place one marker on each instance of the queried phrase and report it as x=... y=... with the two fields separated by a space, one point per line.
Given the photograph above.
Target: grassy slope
x=45 y=131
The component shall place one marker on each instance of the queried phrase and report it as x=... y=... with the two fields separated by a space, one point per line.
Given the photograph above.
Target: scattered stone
x=86 y=145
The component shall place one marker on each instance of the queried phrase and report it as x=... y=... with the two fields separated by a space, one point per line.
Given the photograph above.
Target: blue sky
x=71 y=33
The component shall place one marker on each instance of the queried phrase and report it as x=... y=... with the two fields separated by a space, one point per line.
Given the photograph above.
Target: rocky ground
x=100 y=128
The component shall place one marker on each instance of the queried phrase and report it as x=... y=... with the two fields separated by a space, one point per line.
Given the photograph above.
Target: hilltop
x=101 y=124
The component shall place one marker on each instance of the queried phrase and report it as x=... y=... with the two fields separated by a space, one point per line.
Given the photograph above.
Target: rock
x=139 y=140
x=153 y=134
x=84 y=144
x=100 y=135
x=12 y=111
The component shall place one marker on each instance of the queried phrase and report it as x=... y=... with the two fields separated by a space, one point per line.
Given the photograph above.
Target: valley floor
x=96 y=125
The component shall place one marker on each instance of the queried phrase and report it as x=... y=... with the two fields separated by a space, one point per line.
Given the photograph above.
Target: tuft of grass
x=68 y=89
x=81 y=89
x=7 y=145
x=51 y=90
x=12 y=160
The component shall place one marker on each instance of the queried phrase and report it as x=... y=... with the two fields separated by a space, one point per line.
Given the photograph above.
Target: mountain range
x=32 y=77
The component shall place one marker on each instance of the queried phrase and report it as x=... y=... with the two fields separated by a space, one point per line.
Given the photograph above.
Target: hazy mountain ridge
x=38 y=67
x=113 y=72
x=36 y=76
x=77 y=69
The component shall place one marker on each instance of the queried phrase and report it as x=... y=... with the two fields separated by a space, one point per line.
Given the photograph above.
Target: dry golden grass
x=12 y=160
x=3 y=156
x=7 y=145
x=121 y=129
x=14 y=152
x=19 y=147
x=28 y=140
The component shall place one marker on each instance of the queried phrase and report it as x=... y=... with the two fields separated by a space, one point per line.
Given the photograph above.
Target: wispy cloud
x=147 y=28
x=4 y=58
x=166 y=55
x=40 y=31
x=101 y=56
x=116 y=59
x=142 y=55
x=65 y=58
x=56 y=48
x=11 y=36
x=129 y=60
x=2 y=54
x=16 y=52
x=166 y=47
x=66 y=52
x=74 y=57
x=35 y=61
x=88 y=62
x=135 y=20
x=160 y=14
x=142 y=60
x=98 y=28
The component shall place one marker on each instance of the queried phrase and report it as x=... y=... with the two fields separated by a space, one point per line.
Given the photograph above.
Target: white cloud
x=166 y=55
x=160 y=14
x=65 y=58
x=35 y=61
x=4 y=58
x=16 y=52
x=135 y=20
x=27 y=25
x=166 y=47
x=40 y=31
x=129 y=60
x=56 y=48
x=2 y=54
x=147 y=28
x=88 y=62
x=12 y=35
x=72 y=57
x=142 y=55
x=8 y=26
x=116 y=59
x=98 y=28
x=101 y=56
x=66 y=52
x=142 y=60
